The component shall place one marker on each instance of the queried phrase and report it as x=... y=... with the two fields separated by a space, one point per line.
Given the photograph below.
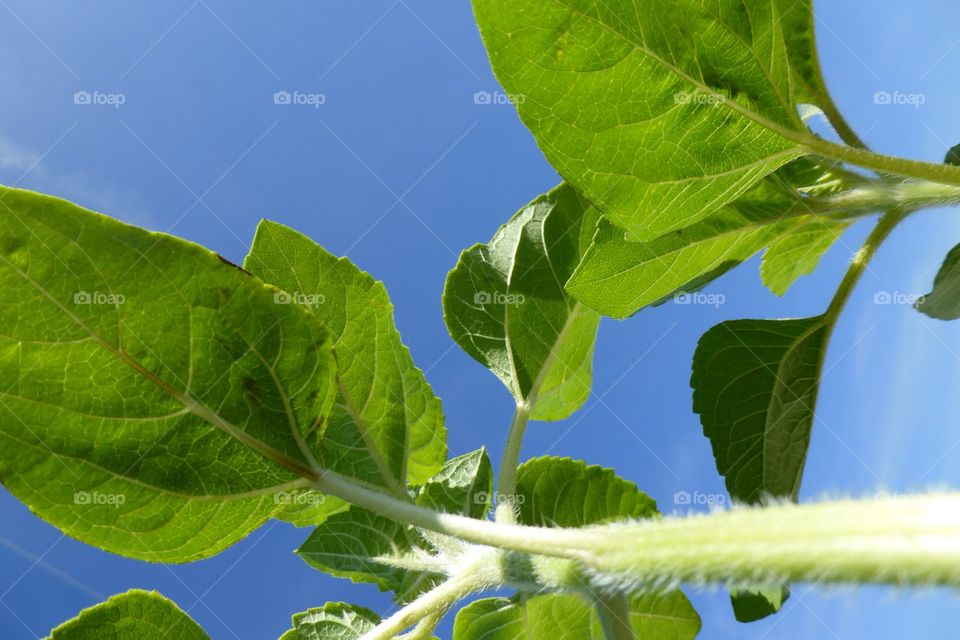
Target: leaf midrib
x=190 y=403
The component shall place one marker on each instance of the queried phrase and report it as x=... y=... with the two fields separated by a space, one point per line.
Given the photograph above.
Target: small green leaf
x=159 y=398
x=943 y=303
x=953 y=156
x=384 y=404
x=750 y=606
x=560 y=492
x=505 y=305
x=367 y=547
x=464 y=485
x=133 y=615
x=603 y=85
x=755 y=386
x=332 y=621
x=572 y=617
x=798 y=252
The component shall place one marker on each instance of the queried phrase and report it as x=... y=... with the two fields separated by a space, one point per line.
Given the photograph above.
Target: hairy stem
x=507 y=480
x=904 y=541
x=439 y=598
x=884 y=194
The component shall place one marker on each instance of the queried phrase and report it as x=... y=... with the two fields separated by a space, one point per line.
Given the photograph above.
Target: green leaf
x=561 y=492
x=505 y=305
x=750 y=606
x=798 y=252
x=755 y=386
x=464 y=485
x=367 y=547
x=571 y=617
x=618 y=277
x=953 y=156
x=602 y=86
x=157 y=397
x=943 y=303
x=134 y=615
x=332 y=621
x=386 y=427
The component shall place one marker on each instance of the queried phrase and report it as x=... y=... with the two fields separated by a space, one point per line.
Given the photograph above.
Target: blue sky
x=399 y=170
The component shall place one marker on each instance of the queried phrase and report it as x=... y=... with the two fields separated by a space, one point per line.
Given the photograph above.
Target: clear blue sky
x=399 y=170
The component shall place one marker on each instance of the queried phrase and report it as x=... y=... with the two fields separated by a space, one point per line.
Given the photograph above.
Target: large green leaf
x=134 y=615
x=367 y=547
x=659 y=112
x=562 y=492
x=505 y=305
x=755 y=386
x=386 y=427
x=156 y=397
x=943 y=302
x=571 y=617
x=332 y=621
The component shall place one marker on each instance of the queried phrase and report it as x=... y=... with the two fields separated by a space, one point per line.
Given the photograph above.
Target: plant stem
x=537 y=540
x=439 y=598
x=941 y=173
x=905 y=541
x=861 y=260
x=507 y=480
x=881 y=194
